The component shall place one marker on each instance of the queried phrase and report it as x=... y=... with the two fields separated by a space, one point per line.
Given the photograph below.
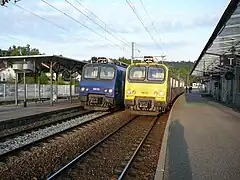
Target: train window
x=137 y=73
x=107 y=72
x=171 y=81
x=90 y=72
x=156 y=73
x=177 y=83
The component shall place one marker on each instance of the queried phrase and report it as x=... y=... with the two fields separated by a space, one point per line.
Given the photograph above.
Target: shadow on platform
x=194 y=97
x=179 y=167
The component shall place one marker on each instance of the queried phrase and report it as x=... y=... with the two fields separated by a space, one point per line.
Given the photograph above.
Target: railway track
x=35 y=162
x=143 y=163
x=58 y=119
x=12 y=126
x=20 y=141
x=113 y=155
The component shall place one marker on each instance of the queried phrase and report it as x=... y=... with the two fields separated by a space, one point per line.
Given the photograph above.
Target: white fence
x=7 y=91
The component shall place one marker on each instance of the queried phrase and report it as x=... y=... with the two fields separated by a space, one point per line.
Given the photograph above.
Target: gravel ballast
x=39 y=161
x=31 y=137
x=145 y=163
x=104 y=161
x=39 y=122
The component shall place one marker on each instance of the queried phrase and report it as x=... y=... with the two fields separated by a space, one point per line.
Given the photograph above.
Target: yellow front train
x=150 y=88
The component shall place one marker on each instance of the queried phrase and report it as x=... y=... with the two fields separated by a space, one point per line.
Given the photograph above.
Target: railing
x=7 y=91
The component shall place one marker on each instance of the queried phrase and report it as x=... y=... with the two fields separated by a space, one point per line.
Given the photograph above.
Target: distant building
x=78 y=77
x=196 y=85
x=6 y=74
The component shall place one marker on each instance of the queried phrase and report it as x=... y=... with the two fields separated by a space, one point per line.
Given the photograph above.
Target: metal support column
x=25 y=87
x=57 y=74
x=132 y=52
x=39 y=87
x=51 y=88
x=16 y=89
x=4 y=91
x=70 y=84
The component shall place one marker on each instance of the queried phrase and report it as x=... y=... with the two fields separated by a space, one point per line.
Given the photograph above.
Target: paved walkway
x=203 y=141
x=13 y=111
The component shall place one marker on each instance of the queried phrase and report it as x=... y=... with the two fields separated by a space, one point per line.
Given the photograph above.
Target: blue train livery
x=102 y=84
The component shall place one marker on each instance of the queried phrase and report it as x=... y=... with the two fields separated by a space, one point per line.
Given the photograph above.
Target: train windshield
x=107 y=72
x=137 y=73
x=90 y=72
x=156 y=73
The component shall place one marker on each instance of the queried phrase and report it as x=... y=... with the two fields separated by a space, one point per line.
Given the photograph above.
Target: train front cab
x=146 y=95
x=99 y=92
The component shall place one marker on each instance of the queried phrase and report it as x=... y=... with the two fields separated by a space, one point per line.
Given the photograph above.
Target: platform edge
x=159 y=174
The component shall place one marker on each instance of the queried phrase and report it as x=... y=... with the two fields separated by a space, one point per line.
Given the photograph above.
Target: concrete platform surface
x=203 y=141
x=12 y=111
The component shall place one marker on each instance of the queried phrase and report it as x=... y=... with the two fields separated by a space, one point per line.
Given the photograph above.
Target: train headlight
x=87 y=89
x=134 y=92
x=82 y=88
x=161 y=93
x=128 y=91
x=105 y=90
x=155 y=93
x=110 y=90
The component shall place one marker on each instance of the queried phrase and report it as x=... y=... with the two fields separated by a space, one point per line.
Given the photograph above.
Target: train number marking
x=96 y=89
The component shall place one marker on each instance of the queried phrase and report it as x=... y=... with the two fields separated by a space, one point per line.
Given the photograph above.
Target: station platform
x=13 y=112
x=201 y=141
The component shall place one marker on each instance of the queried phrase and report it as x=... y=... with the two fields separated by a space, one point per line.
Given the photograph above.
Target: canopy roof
x=61 y=63
x=224 y=40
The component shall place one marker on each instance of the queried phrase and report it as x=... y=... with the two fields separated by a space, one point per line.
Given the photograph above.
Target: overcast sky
x=183 y=27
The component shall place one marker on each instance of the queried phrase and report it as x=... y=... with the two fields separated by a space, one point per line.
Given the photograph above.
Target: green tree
x=180 y=69
x=30 y=80
x=76 y=83
x=20 y=50
x=43 y=78
x=124 y=60
x=61 y=81
x=127 y=61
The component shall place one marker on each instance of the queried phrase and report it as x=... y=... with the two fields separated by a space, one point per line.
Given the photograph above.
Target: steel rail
x=3 y=155
x=68 y=165
x=70 y=115
x=123 y=173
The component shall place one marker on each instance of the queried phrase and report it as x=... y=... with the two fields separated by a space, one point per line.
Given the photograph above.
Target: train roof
x=149 y=64
x=104 y=60
x=122 y=68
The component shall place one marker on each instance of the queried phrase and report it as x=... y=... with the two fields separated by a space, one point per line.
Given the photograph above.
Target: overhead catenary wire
x=123 y=39
x=141 y=21
x=80 y=23
x=34 y=14
x=149 y=17
x=63 y=28
x=93 y=21
x=52 y=23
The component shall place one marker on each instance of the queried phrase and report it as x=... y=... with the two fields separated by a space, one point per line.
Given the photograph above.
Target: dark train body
x=102 y=85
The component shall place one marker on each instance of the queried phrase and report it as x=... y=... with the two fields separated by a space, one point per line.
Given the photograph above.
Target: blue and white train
x=102 y=84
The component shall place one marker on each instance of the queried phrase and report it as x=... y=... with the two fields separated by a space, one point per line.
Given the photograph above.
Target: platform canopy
x=59 y=63
x=224 y=42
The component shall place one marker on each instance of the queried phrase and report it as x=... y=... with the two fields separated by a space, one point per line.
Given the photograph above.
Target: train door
x=169 y=89
x=118 y=86
x=123 y=84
